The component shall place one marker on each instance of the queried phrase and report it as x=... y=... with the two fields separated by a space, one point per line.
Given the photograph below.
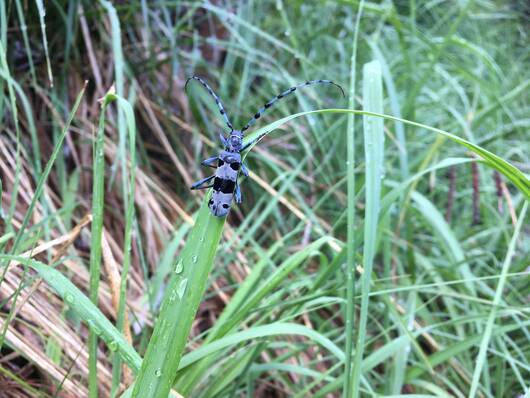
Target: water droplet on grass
x=179 y=267
x=69 y=298
x=182 y=288
x=158 y=373
x=194 y=259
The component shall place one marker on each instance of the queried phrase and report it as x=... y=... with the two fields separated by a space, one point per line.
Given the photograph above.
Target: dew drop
x=173 y=296
x=113 y=345
x=158 y=373
x=182 y=287
x=194 y=259
x=69 y=298
x=179 y=267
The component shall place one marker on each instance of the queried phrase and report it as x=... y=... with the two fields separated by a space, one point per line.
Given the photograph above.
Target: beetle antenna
x=216 y=98
x=271 y=102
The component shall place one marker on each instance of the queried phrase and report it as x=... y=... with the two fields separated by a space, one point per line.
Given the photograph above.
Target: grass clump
x=386 y=263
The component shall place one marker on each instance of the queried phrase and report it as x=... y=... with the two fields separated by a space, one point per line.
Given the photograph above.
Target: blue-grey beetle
x=228 y=163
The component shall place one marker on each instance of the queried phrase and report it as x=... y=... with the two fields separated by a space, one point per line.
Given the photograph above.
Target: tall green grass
x=267 y=302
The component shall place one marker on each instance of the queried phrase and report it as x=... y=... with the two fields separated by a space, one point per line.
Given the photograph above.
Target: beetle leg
x=238 y=194
x=244 y=170
x=200 y=182
x=223 y=140
x=210 y=161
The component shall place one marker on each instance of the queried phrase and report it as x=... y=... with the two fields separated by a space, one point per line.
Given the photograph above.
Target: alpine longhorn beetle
x=229 y=164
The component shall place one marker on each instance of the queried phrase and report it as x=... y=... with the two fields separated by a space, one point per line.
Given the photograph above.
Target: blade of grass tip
x=374 y=151
x=350 y=218
x=129 y=221
x=98 y=203
x=38 y=192
x=481 y=357
x=42 y=14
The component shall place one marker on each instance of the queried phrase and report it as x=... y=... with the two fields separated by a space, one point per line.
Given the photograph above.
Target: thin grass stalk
x=484 y=344
x=350 y=217
x=122 y=158
x=42 y=14
x=374 y=150
x=98 y=204
x=119 y=67
x=24 y=30
x=129 y=222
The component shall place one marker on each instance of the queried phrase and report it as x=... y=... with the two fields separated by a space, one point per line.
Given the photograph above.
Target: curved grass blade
x=273 y=329
x=492 y=160
x=84 y=308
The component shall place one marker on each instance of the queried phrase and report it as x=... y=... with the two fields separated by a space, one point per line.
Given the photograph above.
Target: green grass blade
x=129 y=221
x=481 y=357
x=98 y=205
x=24 y=30
x=350 y=217
x=182 y=297
x=249 y=335
x=84 y=308
x=374 y=153
x=42 y=14
x=492 y=160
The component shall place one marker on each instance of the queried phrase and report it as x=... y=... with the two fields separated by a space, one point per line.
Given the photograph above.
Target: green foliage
x=267 y=302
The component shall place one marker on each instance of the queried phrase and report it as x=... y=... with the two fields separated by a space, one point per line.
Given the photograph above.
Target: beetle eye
x=221 y=162
x=210 y=202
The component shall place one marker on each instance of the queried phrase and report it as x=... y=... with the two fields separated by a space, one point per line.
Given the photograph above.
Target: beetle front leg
x=210 y=162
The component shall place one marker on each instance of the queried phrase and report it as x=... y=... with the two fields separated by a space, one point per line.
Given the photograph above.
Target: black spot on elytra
x=235 y=166
x=223 y=185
